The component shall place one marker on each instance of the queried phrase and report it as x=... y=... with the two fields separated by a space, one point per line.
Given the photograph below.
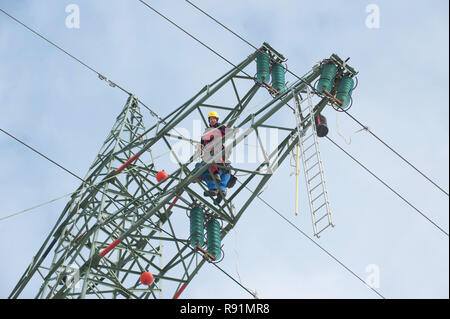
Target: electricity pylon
x=122 y=222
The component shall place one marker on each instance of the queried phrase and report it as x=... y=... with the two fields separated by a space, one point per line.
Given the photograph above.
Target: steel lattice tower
x=122 y=222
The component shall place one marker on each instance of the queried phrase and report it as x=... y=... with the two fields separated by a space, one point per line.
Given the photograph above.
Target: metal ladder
x=313 y=168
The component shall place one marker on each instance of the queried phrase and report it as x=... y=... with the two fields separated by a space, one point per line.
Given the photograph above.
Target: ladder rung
x=308 y=148
x=305 y=119
x=317 y=163
x=319 y=207
x=310 y=157
x=307 y=137
x=317 y=197
x=309 y=180
x=317 y=221
x=328 y=225
x=305 y=116
x=315 y=187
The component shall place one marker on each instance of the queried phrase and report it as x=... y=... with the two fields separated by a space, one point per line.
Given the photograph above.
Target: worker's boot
x=221 y=195
x=211 y=193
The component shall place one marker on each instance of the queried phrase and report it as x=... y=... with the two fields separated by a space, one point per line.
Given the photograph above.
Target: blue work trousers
x=224 y=179
x=206 y=176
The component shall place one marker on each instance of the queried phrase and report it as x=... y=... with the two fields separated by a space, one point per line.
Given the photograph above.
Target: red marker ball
x=161 y=175
x=146 y=278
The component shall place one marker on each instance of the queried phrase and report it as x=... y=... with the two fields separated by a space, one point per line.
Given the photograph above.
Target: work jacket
x=209 y=139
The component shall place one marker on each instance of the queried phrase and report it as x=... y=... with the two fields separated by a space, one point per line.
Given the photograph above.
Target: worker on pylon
x=212 y=142
x=212 y=187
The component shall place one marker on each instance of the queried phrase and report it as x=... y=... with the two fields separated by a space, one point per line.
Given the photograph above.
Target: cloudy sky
x=63 y=110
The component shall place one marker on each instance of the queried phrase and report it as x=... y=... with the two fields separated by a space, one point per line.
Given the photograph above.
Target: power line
x=390 y=188
x=193 y=37
x=66 y=195
x=44 y=156
x=81 y=179
x=101 y=77
x=315 y=243
x=253 y=46
x=218 y=22
x=317 y=92
x=396 y=153
x=214 y=51
x=64 y=51
x=36 y=206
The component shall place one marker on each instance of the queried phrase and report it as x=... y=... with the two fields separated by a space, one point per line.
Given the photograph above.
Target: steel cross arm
x=259 y=187
x=229 y=75
x=276 y=127
x=217 y=107
x=183 y=138
x=243 y=103
x=231 y=118
x=281 y=99
x=256 y=172
x=236 y=70
x=273 y=110
x=137 y=142
x=262 y=182
x=320 y=106
x=178 y=119
x=174 y=112
x=282 y=102
x=202 y=200
x=237 y=94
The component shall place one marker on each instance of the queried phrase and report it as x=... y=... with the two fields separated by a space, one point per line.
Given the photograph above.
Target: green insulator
x=213 y=238
x=344 y=91
x=326 y=80
x=278 y=80
x=196 y=220
x=262 y=67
